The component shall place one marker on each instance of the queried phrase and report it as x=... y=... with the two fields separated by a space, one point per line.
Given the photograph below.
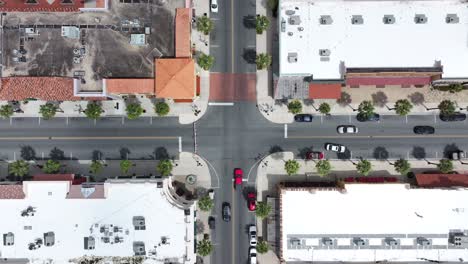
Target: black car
x=423 y=130
x=303 y=118
x=373 y=117
x=211 y=222
x=453 y=117
x=226 y=212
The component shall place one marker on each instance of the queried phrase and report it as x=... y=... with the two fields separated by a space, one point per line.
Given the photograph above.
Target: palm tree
x=204 y=25
x=262 y=210
x=366 y=109
x=402 y=166
x=261 y=23
x=262 y=247
x=6 y=111
x=48 y=110
x=205 y=203
x=295 y=107
x=18 y=168
x=291 y=167
x=205 y=61
x=323 y=167
x=93 y=110
x=263 y=61
x=324 y=108
x=445 y=165
x=364 y=167
x=447 y=107
x=134 y=110
x=125 y=166
x=403 y=107
x=51 y=166
x=96 y=166
x=204 y=247
x=164 y=167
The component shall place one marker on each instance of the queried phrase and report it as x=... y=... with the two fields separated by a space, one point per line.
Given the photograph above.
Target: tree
x=402 y=166
x=19 y=168
x=205 y=203
x=323 y=167
x=204 y=247
x=205 y=61
x=204 y=25
x=445 y=165
x=364 y=167
x=447 y=107
x=134 y=111
x=262 y=247
x=93 y=110
x=261 y=23
x=403 y=107
x=164 y=167
x=263 y=61
x=51 y=166
x=96 y=166
x=455 y=87
x=48 y=110
x=366 y=109
x=161 y=108
x=6 y=111
x=324 y=108
x=262 y=210
x=291 y=167
x=125 y=166
x=295 y=107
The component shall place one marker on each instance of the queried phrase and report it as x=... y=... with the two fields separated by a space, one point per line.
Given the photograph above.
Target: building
x=328 y=44
x=373 y=222
x=55 y=219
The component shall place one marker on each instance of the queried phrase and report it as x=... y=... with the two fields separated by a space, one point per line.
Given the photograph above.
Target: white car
x=253 y=255
x=335 y=147
x=214 y=6
x=347 y=129
x=253 y=235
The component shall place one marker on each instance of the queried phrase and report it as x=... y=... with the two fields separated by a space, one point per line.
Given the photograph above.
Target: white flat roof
x=73 y=219
x=373 y=212
x=373 y=43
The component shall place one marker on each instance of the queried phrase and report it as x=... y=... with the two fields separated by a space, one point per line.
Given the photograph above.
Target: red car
x=238 y=177
x=314 y=155
x=252 y=200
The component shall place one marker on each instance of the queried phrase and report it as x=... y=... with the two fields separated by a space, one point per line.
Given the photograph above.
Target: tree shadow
x=449 y=149
x=199 y=227
x=308 y=102
x=276 y=152
x=303 y=152
x=345 y=155
x=57 y=154
x=416 y=98
x=124 y=153
x=28 y=153
x=344 y=100
x=249 y=21
x=380 y=153
x=97 y=155
x=161 y=153
x=379 y=99
x=419 y=153
x=250 y=55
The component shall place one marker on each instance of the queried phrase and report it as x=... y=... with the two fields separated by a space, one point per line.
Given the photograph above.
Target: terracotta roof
x=11 y=192
x=355 y=81
x=182 y=32
x=53 y=177
x=130 y=86
x=442 y=180
x=42 y=5
x=42 y=88
x=175 y=78
x=324 y=90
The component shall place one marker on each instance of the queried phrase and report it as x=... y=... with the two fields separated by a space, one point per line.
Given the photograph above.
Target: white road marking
x=435 y=118
x=437 y=154
x=151 y=120
x=407 y=155
x=214 y=46
x=321 y=119
x=350 y=155
x=71 y=155
x=14 y=155
x=350 y=118
x=221 y=104
x=95 y=121
x=406 y=116
x=180 y=144
x=42 y=154
x=67 y=120
x=285 y=130
x=123 y=120
x=39 y=120
x=11 y=121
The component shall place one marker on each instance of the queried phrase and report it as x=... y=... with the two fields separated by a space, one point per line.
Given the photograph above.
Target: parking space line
x=11 y=121
x=407 y=155
x=67 y=120
x=39 y=120
x=123 y=120
x=180 y=144
x=350 y=118
x=321 y=119
x=14 y=155
x=151 y=120
x=214 y=46
x=435 y=118
x=406 y=117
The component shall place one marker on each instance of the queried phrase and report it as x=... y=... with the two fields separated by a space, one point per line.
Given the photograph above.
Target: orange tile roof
x=442 y=180
x=42 y=88
x=175 y=78
x=130 y=86
x=324 y=90
x=182 y=32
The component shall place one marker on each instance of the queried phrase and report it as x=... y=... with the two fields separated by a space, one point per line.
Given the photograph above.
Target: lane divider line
x=221 y=104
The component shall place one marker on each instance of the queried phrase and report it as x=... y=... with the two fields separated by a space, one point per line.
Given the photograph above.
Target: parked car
x=458 y=155
x=314 y=155
x=226 y=212
x=238 y=174
x=362 y=118
x=253 y=235
x=453 y=117
x=347 y=129
x=252 y=201
x=253 y=255
x=423 y=130
x=303 y=118
x=214 y=6
x=211 y=222
x=211 y=194
x=335 y=147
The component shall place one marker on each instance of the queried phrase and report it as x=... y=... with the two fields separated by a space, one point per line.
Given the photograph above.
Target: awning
x=324 y=90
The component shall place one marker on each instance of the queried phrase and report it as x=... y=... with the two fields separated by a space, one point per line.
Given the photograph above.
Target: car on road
x=311 y=155
x=253 y=255
x=211 y=222
x=335 y=147
x=226 y=212
x=423 y=130
x=362 y=118
x=252 y=201
x=303 y=118
x=238 y=174
x=214 y=6
x=457 y=155
x=253 y=235
x=453 y=117
x=347 y=129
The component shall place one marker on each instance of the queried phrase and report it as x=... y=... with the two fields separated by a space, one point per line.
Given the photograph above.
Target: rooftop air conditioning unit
x=326 y=241
x=390 y=241
x=389 y=19
x=423 y=241
x=452 y=19
x=324 y=52
x=420 y=19
x=357 y=20
x=359 y=242
x=326 y=20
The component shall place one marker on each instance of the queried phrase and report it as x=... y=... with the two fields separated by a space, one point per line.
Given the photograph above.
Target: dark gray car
x=226 y=212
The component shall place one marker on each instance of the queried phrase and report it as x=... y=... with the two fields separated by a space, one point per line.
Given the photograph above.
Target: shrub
x=291 y=167
x=295 y=107
x=161 y=108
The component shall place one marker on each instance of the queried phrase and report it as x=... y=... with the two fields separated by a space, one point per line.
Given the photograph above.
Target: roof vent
x=326 y=241
x=359 y=241
x=452 y=19
x=290 y=12
x=49 y=239
x=389 y=19
x=326 y=20
x=324 y=52
x=423 y=241
x=390 y=241
x=292 y=57
x=420 y=19
x=283 y=25
x=8 y=239
x=357 y=20
x=139 y=248
x=89 y=243
x=139 y=223
x=295 y=20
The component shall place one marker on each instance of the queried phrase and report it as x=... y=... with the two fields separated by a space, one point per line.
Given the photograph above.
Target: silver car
x=335 y=147
x=347 y=129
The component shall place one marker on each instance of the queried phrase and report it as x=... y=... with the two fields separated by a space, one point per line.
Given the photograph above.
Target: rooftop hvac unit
x=389 y=19
x=294 y=20
x=420 y=19
x=423 y=241
x=139 y=248
x=326 y=241
x=359 y=242
x=390 y=241
x=324 y=52
x=452 y=19
x=8 y=239
x=89 y=243
x=326 y=20
x=139 y=223
x=49 y=239
x=357 y=20
x=292 y=57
